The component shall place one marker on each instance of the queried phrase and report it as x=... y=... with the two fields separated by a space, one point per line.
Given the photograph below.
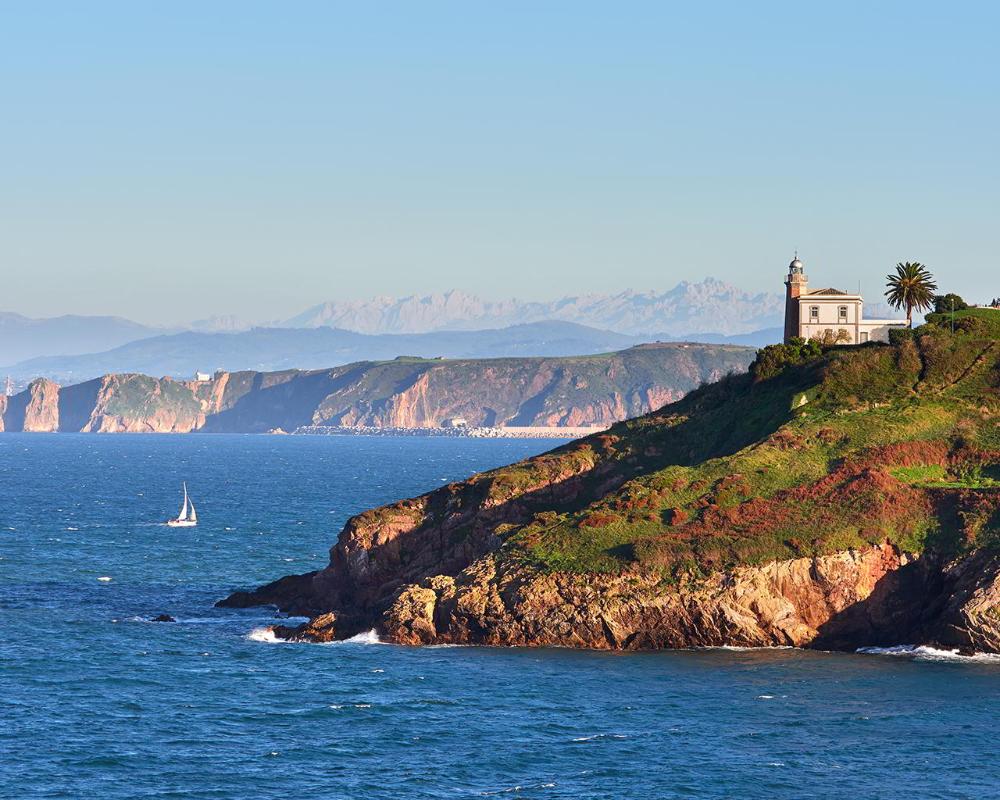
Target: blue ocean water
x=97 y=702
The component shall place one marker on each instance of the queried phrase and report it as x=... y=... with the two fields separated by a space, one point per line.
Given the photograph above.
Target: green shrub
x=773 y=359
x=899 y=335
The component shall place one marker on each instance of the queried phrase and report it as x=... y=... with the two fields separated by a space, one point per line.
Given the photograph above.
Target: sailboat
x=188 y=517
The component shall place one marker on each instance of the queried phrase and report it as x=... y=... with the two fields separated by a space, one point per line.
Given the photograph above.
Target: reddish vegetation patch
x=785 y=439
x=675 y=516
x=598 y=519
x=975 y=510
x=861 y=495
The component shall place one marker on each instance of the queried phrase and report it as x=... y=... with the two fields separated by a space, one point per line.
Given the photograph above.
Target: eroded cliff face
x=878 y=596
x=405 y=393
x=791 y=603
x=35 y=410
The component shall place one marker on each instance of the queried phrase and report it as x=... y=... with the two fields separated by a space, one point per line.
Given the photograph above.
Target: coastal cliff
x=831 y=499
x=403 y=393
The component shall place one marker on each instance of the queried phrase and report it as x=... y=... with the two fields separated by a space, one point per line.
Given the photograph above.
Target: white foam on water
x=268 y=636
x=517 y=789
x=264 y=635
x=368 y=637
x=104 y=578
x=925 y=653
x=596 y=736
x=765 y=697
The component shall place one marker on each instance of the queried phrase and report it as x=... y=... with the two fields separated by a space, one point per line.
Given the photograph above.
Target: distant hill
x=265 y=349
x=22 y=337
x=760 y=338
x=708 y=306
x=402 y=393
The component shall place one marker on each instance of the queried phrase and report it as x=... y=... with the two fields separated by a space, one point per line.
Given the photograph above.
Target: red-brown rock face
x=41 y=415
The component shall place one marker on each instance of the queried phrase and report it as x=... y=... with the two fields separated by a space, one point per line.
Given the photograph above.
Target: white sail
x=184 y=508
x=194 y=515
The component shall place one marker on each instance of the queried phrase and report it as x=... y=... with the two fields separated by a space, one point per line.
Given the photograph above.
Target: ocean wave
x=264 y=635
x=517 y=789
x=597 y=736
x=922 y=652
x=268 y=636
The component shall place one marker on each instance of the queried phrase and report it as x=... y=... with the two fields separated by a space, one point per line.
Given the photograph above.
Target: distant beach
x=549 y=432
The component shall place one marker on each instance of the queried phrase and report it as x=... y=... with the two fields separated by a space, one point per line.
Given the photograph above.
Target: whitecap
x=368 y=637
x=104 y=578
x=268 y=635
x=926 y=653
x=596 y=736
x=765 y=697
x=517 y=789
x=263 y=635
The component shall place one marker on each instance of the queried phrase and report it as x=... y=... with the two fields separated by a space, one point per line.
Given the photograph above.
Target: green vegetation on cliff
x=813 y=453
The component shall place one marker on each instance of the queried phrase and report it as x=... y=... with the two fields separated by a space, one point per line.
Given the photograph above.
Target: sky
x=170 y=161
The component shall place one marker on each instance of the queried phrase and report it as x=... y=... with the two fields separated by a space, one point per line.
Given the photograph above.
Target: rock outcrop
x=779 y=604
x=844 y=500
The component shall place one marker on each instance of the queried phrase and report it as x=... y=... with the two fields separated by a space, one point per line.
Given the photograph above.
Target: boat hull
x=180 y=523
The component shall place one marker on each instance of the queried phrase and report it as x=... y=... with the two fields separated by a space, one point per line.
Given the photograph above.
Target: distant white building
x=202 y=376
x=455 y=422
x=829 y=314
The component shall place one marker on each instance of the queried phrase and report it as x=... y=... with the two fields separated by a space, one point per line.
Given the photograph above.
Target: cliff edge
x=832 y=499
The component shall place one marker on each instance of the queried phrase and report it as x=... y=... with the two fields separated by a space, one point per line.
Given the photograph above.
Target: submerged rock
x=163 y=618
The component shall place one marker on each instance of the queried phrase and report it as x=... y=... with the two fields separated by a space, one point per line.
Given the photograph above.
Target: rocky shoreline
x=879 y=597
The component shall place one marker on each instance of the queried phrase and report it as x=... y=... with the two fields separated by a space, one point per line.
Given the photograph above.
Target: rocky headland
x=405 y=393
x=832 y=499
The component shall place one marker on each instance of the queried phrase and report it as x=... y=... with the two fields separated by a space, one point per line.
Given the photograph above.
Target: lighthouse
x=795 y=286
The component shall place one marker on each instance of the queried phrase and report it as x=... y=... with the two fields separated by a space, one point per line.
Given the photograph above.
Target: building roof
x=829 y=291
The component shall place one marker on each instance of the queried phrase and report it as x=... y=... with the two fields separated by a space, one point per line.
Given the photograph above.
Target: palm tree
x=912 y=287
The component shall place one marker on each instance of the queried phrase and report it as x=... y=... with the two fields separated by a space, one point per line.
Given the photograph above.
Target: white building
x=829 y=314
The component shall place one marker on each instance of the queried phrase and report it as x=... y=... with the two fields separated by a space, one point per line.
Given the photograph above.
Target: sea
x=97 y=701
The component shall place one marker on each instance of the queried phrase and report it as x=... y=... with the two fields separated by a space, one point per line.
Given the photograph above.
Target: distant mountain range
x=709 y=306
x=451 y=324
x=22 y=337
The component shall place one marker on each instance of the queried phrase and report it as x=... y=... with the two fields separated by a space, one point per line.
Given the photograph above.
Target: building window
x=842 y=313
x=814 y=313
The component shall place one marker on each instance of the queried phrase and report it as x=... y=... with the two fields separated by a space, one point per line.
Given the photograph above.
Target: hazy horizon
x=170 y=163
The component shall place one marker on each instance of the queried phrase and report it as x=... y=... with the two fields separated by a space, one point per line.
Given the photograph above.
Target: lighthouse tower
x=795 y=283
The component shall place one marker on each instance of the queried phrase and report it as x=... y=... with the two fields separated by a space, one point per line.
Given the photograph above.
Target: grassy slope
x=860 y=445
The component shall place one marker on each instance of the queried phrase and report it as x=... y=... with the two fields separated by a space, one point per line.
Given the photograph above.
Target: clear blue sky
x=166 y=161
